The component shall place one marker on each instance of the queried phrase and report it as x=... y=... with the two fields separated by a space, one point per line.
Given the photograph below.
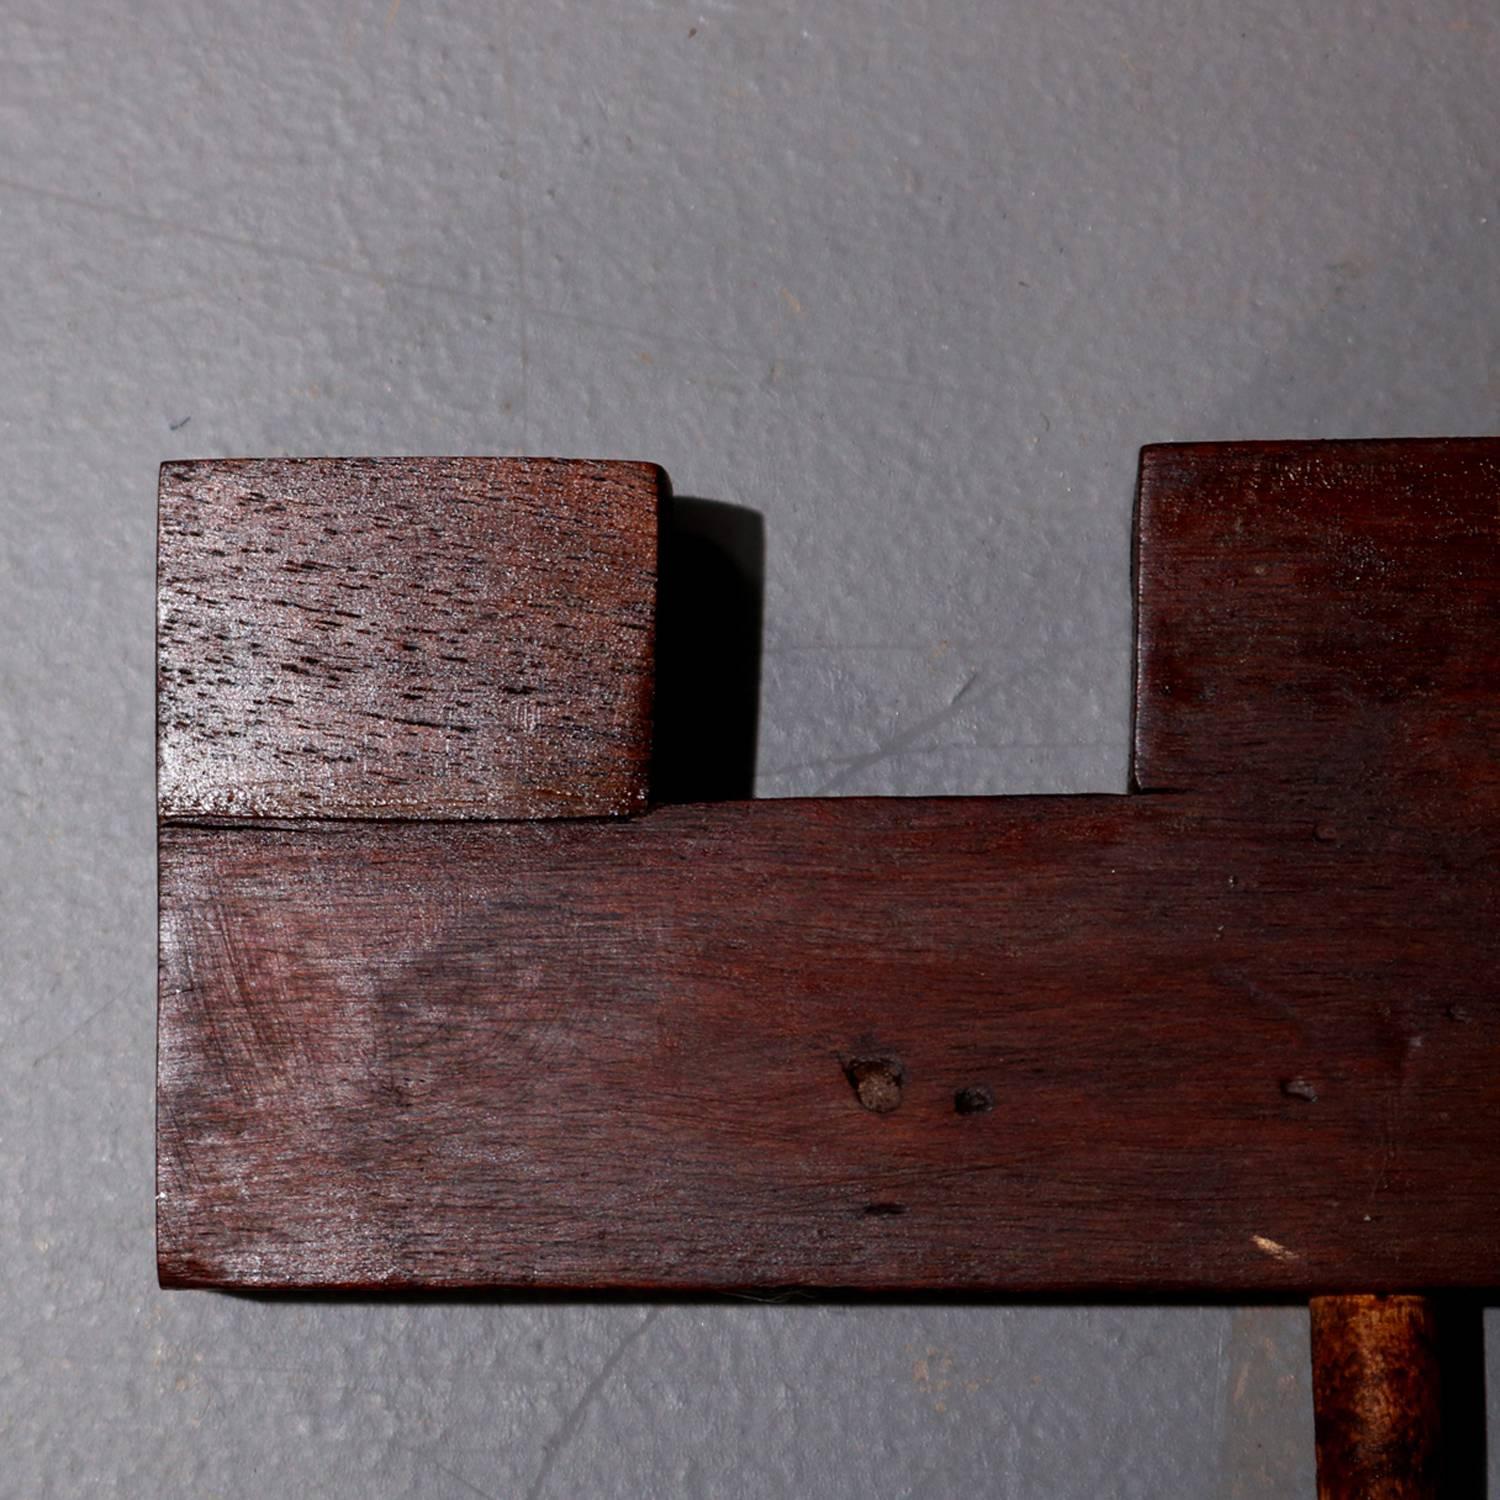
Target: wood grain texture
x=1321 y=619
x=408 y=637
x=620 y=1054
x=1237 y=1036
x=1377 y=1398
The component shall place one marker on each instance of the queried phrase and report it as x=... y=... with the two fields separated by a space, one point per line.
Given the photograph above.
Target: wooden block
x=406 y=637
x=1238 y=1036
x=1320 y=605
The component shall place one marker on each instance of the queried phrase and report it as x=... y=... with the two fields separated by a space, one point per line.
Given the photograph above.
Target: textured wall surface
x=912 y=280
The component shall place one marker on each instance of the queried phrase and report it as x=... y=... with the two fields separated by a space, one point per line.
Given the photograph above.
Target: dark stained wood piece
x=1377 y=1398
x=621 y=1054
x=1239 y=1034
x=1318 y=622
x=405 y=637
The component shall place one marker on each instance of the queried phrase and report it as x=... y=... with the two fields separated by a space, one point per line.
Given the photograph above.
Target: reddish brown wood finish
x=405 y=637
x=617 y=1054
x=1240 y=1035
x=1377 y=1398
x=1319 y=624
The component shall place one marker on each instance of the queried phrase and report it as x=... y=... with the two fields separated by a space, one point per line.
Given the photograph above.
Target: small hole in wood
x=977 y=1099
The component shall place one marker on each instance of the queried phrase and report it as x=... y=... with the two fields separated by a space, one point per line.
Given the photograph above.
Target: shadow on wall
x=1460 y=1329
x=708 y=628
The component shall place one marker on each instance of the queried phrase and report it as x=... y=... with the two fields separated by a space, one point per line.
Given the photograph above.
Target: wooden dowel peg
x=1376 y=1397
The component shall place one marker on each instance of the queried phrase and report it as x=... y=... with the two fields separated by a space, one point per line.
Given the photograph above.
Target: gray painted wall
x=911 y=279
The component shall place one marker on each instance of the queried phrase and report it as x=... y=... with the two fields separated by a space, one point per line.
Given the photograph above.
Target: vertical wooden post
x=1376 y=1398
